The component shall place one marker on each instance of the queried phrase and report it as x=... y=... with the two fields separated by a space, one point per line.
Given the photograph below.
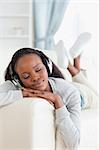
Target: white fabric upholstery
x=89 y=130
x=28 y=124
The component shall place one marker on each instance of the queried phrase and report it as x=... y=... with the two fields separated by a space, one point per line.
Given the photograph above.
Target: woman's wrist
x=58 y=102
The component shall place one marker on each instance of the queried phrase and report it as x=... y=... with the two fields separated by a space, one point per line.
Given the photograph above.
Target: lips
x=38 y=84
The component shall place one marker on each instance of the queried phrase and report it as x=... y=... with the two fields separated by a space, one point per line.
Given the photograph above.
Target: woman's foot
x=77 y=49
x=63 y=55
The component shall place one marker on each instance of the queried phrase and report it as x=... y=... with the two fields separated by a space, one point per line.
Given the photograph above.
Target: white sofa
x=28 y=124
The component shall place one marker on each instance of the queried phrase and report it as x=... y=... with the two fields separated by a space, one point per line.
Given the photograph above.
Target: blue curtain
x=47 y=16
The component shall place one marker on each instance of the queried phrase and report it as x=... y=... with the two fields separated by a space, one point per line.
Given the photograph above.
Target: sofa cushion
x=27 y=124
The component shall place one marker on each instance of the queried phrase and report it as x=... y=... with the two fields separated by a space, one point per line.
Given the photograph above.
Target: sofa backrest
x=53 y=55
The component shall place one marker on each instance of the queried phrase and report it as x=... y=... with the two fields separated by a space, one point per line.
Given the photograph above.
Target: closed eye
x=38 y=70
x=26 y=76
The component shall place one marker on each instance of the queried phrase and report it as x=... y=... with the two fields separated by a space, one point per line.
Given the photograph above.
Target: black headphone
x=15 y=78
x=49 y=65
x=46 y=61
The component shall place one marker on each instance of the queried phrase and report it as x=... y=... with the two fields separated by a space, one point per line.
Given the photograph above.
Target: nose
x=35 y=77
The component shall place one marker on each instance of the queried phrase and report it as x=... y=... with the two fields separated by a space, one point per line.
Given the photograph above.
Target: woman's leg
x=77 y=63
x=77 y=75
x=88 y=93
x=74 y=69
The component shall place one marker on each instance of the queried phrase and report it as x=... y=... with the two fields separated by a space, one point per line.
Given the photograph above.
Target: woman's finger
x=32 y=91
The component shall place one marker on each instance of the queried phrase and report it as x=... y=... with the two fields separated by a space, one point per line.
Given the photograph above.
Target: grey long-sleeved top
x=67 y=117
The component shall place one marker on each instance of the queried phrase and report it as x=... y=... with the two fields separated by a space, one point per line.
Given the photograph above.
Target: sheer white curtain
x=82 y=16
x=47 y=16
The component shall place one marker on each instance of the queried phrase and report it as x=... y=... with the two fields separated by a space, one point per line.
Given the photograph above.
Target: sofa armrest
x=27 y=124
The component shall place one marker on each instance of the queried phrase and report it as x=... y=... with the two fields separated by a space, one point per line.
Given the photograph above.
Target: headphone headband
x=50 y=65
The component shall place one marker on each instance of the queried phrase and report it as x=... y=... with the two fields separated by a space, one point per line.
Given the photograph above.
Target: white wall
x=16 y=29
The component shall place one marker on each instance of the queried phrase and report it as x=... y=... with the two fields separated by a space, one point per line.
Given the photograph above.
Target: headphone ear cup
x=50 y=66
x=13 y=77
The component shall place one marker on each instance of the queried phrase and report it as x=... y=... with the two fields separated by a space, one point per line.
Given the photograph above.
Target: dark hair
x=10 y=71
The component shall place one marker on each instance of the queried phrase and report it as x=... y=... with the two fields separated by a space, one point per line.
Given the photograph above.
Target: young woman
x=32 y=74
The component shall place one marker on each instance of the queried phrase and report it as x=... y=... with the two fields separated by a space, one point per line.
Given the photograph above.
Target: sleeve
x=68 y=120
x=9 y=93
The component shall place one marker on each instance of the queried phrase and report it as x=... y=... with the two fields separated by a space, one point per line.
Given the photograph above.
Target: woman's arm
x=68 y=119
x=9 y=93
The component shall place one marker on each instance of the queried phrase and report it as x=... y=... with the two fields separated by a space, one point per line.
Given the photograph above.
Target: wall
x=16 y=29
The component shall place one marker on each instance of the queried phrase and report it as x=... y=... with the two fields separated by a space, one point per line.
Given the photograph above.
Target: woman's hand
x=53 y=99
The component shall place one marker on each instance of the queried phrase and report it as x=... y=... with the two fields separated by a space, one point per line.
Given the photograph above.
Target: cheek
x=26 y=83
x=45 y=74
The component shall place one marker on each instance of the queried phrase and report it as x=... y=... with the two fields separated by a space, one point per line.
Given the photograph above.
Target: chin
x=39 y=88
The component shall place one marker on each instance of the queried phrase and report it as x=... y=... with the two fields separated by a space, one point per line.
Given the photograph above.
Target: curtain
x=47 y=17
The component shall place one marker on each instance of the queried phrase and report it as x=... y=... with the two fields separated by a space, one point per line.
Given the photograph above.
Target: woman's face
x=32 y=72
